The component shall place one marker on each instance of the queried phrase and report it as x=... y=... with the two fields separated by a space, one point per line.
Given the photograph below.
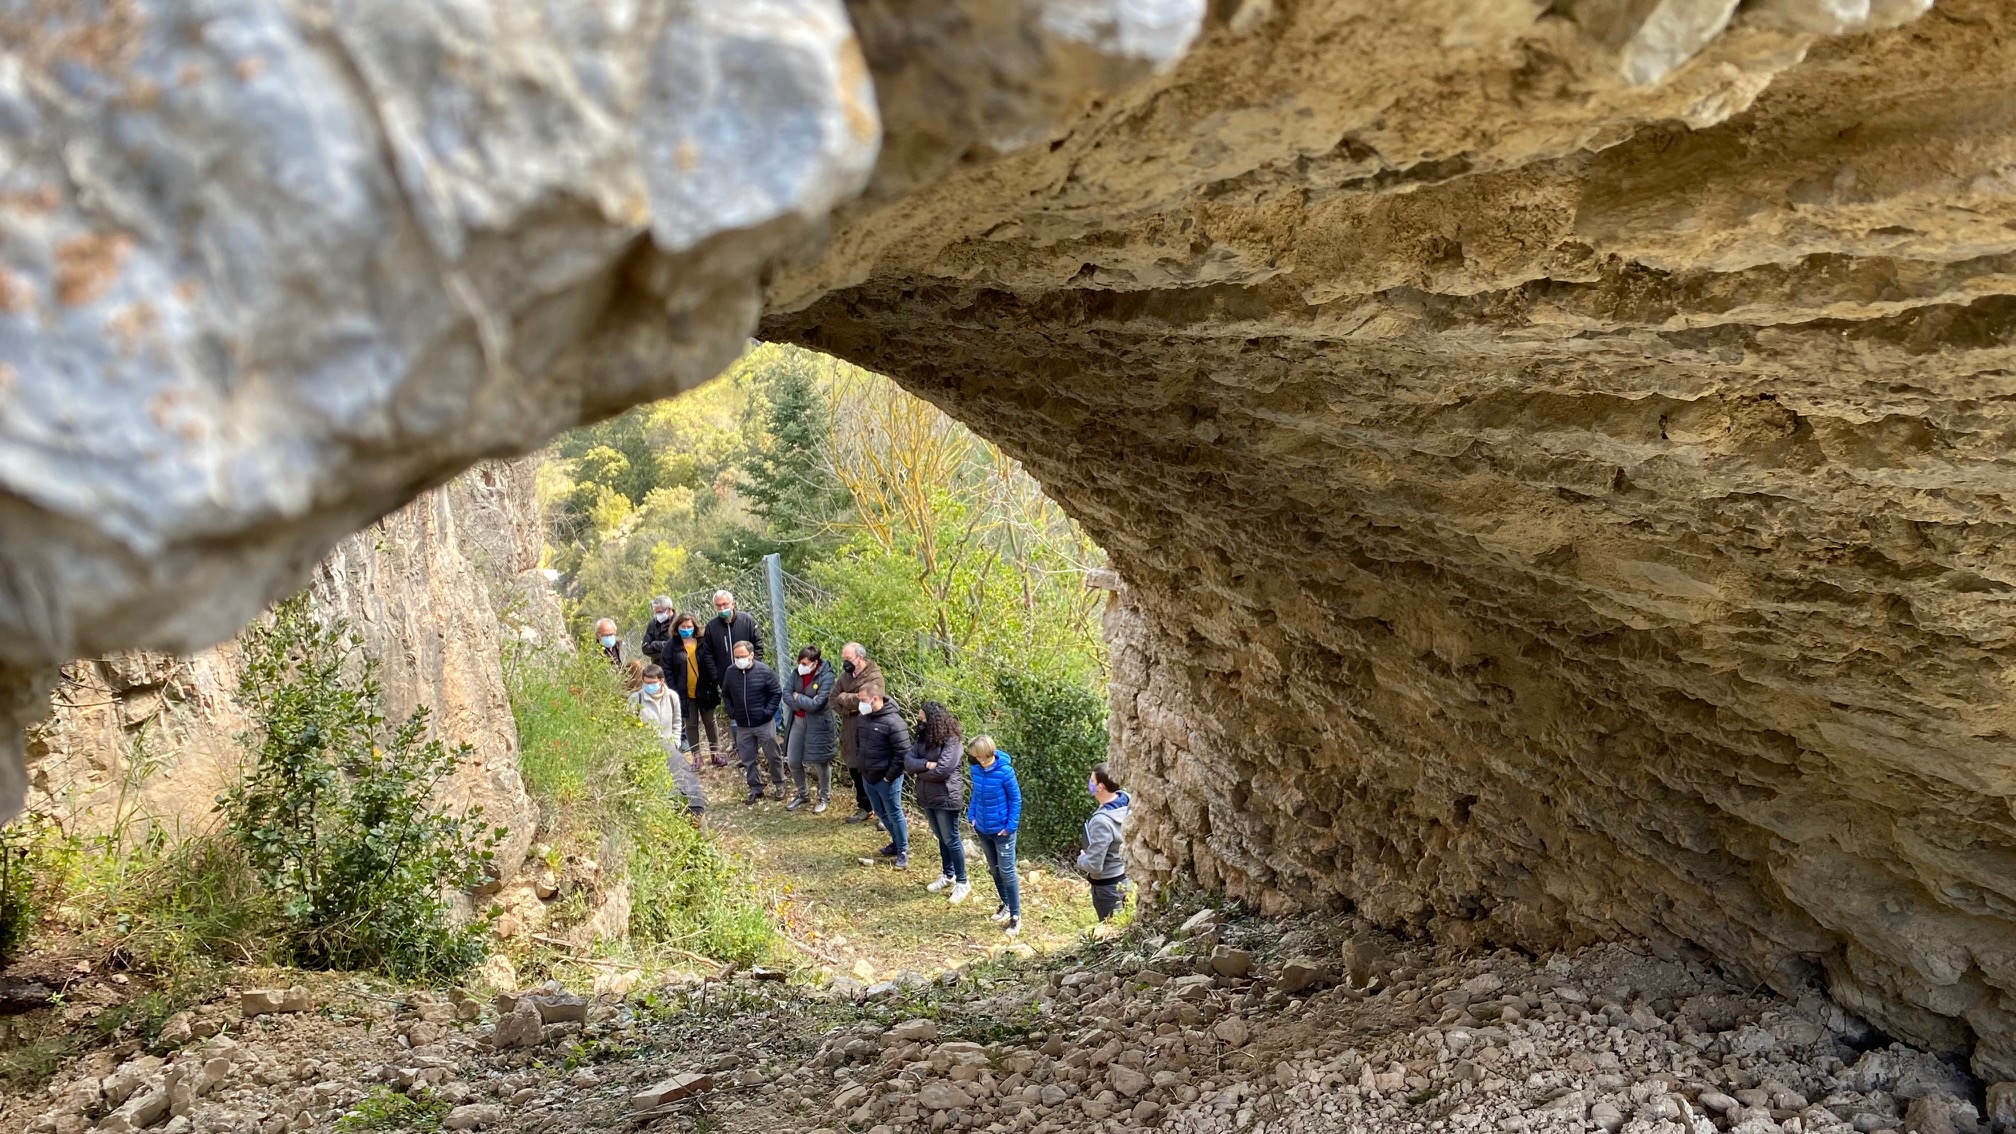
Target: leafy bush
x=337 y=815
x=387 y=1109
x=1055 y=729
x=600 y=777
x=20 y=897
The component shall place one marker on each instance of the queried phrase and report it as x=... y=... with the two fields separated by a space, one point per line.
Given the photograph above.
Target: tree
x=789 y=476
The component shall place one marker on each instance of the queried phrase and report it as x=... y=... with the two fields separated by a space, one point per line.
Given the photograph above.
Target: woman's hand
x=930 y=765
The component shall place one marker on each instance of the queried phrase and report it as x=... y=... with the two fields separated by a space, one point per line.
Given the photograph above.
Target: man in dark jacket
x=727 y=627
x=658 y=634
x=859 y=677
x=752 y=693
x=881 y=741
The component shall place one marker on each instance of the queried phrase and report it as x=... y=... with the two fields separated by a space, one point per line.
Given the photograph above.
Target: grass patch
x=387 y=1109
x=600 y=779
x=878 y=917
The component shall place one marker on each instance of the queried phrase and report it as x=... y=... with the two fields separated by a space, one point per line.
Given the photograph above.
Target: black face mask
x=848 y=666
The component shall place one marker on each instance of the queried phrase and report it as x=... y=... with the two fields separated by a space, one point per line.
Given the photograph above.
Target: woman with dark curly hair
x=936 y=761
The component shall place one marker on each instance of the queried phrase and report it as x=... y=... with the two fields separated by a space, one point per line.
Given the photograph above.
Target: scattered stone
x=1300 y=974
x=473 y=1116
x=913 y=1031
x=938 y=1095
x=275 y=1001
x=519 y=1027
x=1365 y=960
x=1204 y=921
x=671 y=1091
x=560 y=1008
x=1125 y=1080
x=1229 y=962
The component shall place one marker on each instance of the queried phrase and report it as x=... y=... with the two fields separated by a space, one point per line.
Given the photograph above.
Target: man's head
x=724 y=603
x=852 y=655
x=654 y=679
x=661 y=608
x=744 y=656
x=605 y=627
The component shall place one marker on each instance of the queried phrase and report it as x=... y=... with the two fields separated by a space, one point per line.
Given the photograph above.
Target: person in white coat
x=658 y=706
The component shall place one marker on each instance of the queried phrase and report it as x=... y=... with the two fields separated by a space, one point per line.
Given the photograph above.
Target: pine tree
x=788 y=477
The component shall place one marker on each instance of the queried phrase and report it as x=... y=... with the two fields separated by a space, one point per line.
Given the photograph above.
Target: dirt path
x=872 y=922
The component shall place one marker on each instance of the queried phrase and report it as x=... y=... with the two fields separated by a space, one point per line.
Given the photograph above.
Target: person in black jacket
x=938 y=762
x=658 y=633
x=727 y=627
x=881 y=741
x=752 y=693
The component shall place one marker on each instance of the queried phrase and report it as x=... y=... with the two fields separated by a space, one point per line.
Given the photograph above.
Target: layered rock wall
x=431 y=591
x=1559 y=452
x=1551 y=506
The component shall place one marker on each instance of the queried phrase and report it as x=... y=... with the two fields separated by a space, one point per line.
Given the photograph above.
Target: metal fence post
x=780 y=631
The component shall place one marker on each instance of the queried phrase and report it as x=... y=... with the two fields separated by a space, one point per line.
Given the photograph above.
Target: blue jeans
x=887 y=800
x=1000 y=852
x=951 y=845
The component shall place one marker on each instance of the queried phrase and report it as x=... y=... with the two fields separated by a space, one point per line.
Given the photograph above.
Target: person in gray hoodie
x=1103 y=861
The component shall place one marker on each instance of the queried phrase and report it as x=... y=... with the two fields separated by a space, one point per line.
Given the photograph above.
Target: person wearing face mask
x=657 y=705
x=938 y=762
x=698 y=686
x=996 y=814
x=859 y=677
x=605 y=637
x=727 y=627
x=658 y=633
x=814 y=734
x=881 y=742
x=1103 y=861
x=752 y=693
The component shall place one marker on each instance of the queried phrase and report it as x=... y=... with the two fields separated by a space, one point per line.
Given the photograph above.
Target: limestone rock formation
x=1560 y=461
x=1557 y=450
x=269 y=270
x=142 y=737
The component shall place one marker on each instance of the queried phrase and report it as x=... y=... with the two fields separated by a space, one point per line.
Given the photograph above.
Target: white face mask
x=662 y=615
x=804 y=669
x=744 y=663
x=866 y=708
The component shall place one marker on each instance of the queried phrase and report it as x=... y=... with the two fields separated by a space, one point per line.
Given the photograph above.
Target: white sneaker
x=999 y=915
x=942 y=881
x=959 y=891
x=1013 y=928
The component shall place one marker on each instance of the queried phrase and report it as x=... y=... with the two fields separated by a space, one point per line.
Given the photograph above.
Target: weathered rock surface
x=1557 y=453
x=430 y=590
x=268 y=271
x=1553 y=504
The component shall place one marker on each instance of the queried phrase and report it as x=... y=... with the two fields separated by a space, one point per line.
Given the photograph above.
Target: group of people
x=693 y=668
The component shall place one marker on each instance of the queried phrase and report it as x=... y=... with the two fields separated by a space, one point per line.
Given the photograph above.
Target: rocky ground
x=1217 y=1023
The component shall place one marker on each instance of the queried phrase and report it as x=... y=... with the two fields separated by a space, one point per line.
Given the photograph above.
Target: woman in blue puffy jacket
x=996 y=814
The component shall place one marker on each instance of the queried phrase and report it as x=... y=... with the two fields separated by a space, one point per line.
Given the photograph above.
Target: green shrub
x=20 y=896
x=337 y=816
x=387 y=1109
x=1055 y=729
x=600 y=777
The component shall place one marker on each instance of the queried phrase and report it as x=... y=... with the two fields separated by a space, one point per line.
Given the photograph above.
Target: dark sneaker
x=902 y=862
x=755 y=797
x=719 y=762
x=887 y=852
x=777 y=792
x=860 y=817
x=1013 y=928
x=796 y=803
